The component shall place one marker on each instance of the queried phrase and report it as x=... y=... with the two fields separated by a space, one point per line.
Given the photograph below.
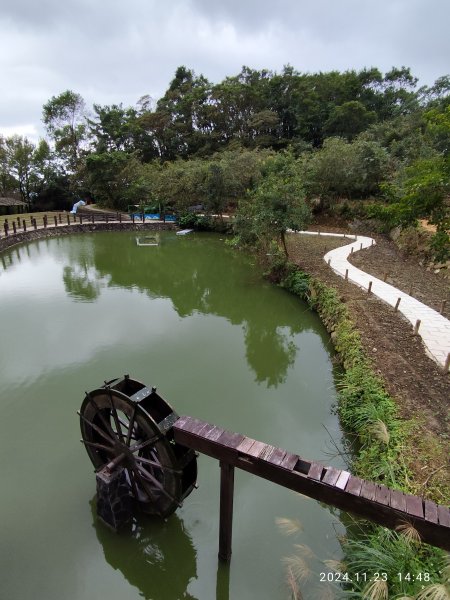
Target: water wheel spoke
x=98 y=446
x=102 y=418
x=156 y=483
x=158 y=465
x=139 y=479
x=97 y=429
x=116 y=418
x=130 y=428
x=133 y=483
x=140 y=445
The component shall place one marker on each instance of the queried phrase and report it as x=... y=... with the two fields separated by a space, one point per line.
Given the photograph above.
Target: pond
x=196 y=319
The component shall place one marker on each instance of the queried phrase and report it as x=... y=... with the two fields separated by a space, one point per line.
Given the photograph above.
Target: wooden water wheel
x=128 y=425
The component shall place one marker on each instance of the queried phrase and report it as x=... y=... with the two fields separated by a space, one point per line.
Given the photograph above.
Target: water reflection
x=148 y=557
x=198 y=275
x=81 y=282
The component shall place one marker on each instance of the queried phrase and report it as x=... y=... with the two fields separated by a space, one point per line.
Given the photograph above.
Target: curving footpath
x=434 y=328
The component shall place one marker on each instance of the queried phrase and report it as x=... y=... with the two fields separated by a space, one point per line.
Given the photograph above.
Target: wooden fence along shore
x=22 y=224
x=375 y=502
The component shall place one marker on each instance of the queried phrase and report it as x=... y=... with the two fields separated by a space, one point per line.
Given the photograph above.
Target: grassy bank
x=382 y=442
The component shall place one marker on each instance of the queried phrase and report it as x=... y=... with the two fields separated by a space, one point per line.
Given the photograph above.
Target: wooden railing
x=373 y=501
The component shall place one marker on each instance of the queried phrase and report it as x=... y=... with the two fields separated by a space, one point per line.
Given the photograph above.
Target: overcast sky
x=115 y=51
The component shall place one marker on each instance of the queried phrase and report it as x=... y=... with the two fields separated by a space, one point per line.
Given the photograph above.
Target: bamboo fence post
x=346 y=274
x=369 y=290
x=447 y=364
x=397 y=305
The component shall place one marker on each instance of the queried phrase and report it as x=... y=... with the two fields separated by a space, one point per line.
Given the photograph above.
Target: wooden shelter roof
x=11 y=202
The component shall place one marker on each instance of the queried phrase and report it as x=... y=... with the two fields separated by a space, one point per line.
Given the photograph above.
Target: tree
x=64 y=118
x=274 y=206
x=349 y=119
x=111 y=177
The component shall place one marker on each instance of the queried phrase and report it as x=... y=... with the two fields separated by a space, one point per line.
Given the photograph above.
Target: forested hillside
x=350 y=135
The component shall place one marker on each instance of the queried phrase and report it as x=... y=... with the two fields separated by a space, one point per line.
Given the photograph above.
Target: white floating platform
x=184 y=231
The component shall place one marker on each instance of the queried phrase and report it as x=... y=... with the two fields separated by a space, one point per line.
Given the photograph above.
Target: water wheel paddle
x=125 y=424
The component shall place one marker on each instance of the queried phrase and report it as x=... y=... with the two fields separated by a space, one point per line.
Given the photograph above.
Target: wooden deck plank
x=431 y=511
x=189 y=423
x=342 y=480
x=245 y=445
x=230 y=439
x=315 y=471
x=331 y=476
x=181 y=421
x=368 y=490
x=276 y=457
x=256 y=448
x=443 y=516
x=382 y=495
x=354 y=486
x=397 y=500
x=414 y=506
x=214 y=433
x=266 y=452
x=289 y=461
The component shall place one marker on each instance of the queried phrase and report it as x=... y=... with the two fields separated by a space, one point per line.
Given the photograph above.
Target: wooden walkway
x=378 y=503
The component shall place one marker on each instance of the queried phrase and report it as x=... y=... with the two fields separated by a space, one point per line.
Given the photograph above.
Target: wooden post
x=132 y=218
x=351 y=251
x=120 y=217
x=14 y=227
x=56 y=220
x=68 y=219
x=397 y=304
x=447 y=364
x=226 y=510
x=45 y=220
x=143 y=217
x=34 y=223
x=372 y=243
x=410 y=290
x=346 y=274
x=24 y=225
x=369 y=290
x=59 y=218
x=81 y=219
x=444 y=302
x=360 y=246
x=385 y=276
x=329 y=262
x=416 y=327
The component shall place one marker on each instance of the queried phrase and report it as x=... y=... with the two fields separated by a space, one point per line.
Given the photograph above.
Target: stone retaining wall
x=37 y=234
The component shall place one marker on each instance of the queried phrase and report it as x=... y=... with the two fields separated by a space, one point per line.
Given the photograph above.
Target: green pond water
x=196 y=319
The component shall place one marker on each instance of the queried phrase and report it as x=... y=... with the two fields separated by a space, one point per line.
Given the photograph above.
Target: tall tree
x=64 y=118
x=274 y=206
